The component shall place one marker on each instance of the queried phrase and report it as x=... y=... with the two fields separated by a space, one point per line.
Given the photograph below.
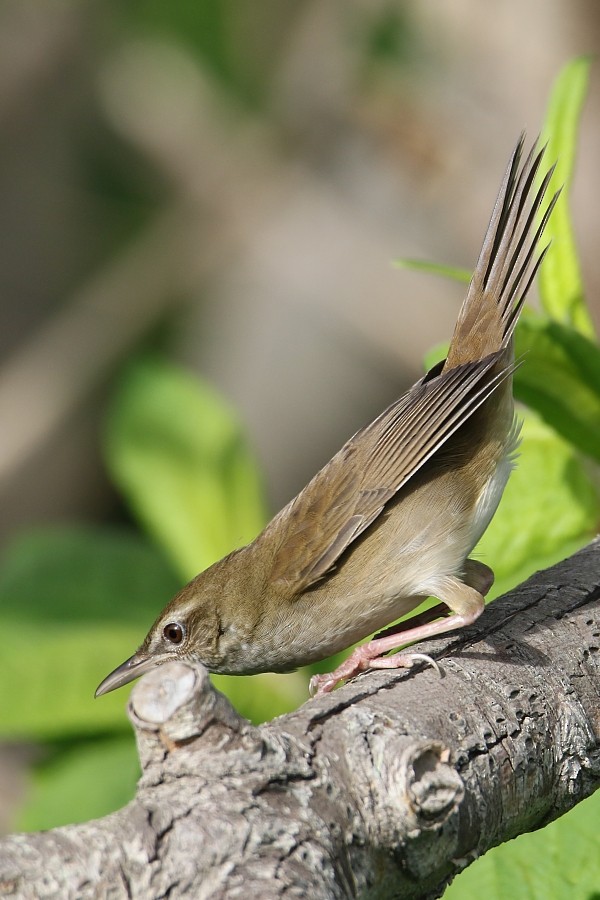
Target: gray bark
x=386 y=788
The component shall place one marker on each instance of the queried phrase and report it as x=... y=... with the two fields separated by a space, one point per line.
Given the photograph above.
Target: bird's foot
x=359 y=661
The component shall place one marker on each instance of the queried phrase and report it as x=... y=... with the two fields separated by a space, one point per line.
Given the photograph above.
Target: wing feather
x=351 y=491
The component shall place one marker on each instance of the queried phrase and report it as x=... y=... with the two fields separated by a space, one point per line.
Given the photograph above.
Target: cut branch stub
x=176 y=704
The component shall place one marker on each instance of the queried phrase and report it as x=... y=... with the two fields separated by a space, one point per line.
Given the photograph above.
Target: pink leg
x=465 y=601
x=428 y=615
x=476 y=574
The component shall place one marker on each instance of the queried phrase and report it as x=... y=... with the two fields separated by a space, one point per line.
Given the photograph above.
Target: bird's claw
x=324 y=684
x=321 y=684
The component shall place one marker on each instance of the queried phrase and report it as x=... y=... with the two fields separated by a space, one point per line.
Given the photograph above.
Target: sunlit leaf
x=74 y=603
x=549 y=509
x=84 y=598
x=177 y=452
x=83 y=575
x=49 y=683
x=561 y=861
x=560 y=282
x=560 y=379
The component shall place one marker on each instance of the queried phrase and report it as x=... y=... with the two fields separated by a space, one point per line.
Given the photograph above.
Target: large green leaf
x=559 y=862
x=177 y=452
x=549 y=509
x=73 y=604
x=83 y=575
x=49 y=683
x=49 y=679
x=560 y=378
x=560 y=282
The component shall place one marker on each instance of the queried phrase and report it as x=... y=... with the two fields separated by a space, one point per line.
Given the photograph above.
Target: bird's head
x=188 y=628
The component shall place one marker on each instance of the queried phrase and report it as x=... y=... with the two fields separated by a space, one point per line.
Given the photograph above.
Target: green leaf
x=73 y=604
x=560 y=379
x=560 y=861
x=83 y=575
x=455 y=273
x=560 y=282
x=177 y=452
x=49 y=683
x=549 y=509
x=80 y=782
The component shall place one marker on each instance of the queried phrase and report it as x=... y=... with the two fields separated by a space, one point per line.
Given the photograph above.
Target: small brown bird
x=393 y=517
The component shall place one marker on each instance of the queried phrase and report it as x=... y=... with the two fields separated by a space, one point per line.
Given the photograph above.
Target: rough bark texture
x=386 y=788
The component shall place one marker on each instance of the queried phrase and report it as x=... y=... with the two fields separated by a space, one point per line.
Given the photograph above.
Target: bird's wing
x=348 y=494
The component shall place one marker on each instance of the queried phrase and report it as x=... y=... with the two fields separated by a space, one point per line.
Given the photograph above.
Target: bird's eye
x=174 y=632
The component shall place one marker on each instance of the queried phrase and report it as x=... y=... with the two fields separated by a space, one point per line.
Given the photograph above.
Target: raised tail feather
x=507 y=263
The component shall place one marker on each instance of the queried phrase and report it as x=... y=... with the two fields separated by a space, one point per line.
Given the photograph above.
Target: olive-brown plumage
x=393 y=517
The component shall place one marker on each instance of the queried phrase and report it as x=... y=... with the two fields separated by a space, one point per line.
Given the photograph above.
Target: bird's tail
x=507 y=263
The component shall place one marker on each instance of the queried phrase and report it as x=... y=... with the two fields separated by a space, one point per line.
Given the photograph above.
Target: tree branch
x=386 y=788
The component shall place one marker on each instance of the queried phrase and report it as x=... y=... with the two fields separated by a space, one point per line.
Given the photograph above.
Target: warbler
x=392 y=518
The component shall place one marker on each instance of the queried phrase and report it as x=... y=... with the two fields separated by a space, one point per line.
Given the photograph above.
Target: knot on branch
x=408 y=790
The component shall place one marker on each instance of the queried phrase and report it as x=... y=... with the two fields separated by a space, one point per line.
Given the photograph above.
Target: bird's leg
x=428 y=615
x=476 y=574
x=465 y=600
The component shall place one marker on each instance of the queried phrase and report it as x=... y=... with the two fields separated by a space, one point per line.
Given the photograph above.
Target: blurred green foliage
x=97 y=775
x=177 y=453
x=83 y=594
x=169 y=430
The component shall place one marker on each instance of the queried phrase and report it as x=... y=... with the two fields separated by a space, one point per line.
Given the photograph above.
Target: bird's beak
x=128 y=671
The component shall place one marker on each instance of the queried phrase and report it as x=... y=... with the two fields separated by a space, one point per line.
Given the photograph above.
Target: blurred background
x=227 y=184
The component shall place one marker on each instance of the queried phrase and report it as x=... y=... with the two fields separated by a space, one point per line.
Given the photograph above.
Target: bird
x=393 y=517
